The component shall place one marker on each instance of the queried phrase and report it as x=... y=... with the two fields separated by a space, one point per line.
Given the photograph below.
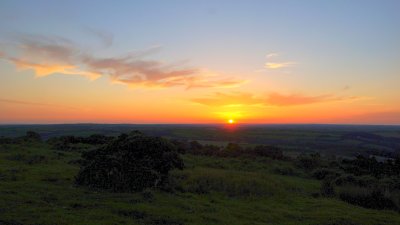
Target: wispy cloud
x=278 y=65
x=272 y=99
x=273 y=62
x=19 y=102
x=50 y=55
x=230 y=99
x=299 y=99
x=271 y=55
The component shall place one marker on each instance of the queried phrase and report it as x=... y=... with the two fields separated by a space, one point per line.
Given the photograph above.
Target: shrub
x=327 y=188
x=392 y=183
x=32 y=136
x=268 y=151
x=5 y=140
x=308 y=161
x=195 y=145
x=36 y=159
x=362 y=181
x=231 y=150
x=285 y=170
x=132 y=162
x=181 y=146
x=345 y=179
x=366 y=197
x=323 y=173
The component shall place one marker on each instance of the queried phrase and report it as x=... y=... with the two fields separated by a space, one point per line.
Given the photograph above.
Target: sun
x=231 y=121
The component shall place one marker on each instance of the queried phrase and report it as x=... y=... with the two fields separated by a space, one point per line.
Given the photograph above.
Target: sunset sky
x=200 y=61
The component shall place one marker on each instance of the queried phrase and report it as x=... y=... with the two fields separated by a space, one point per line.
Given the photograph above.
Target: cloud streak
x=19 y=102
x=276 y=64
x=272 y=99
x=279 y=65
x=51 y=55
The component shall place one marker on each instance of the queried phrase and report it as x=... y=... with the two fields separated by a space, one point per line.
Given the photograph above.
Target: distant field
x=342 y=140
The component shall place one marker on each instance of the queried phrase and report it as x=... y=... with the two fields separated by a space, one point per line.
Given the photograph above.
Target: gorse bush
x=327 y=188
x=368 y=197
x=131 y=162
x=360 y=181
x=322 y=173
x=309 y=161
x=370 y=166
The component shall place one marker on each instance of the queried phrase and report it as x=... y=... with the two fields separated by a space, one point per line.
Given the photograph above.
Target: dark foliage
x=323 y=173
x=362 y=181
x=327 y=188
x=131 y=162
x=268 y=151
x=370 y=166
x=367 y=197
x=181 y=146
x=309 y=161
x=32 y=136
x=232 y=150
x=69 y=142
x=29 y=137
x=6 y=140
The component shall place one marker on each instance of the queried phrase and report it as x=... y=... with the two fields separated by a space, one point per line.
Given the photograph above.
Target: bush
x=308 y=162
x=181 y=146
x=366 y=197
x=323 y=173
x=33 y=136
x=362 y=181
x=132 y=162
x=327 y=189
x=231 y=150
x=345 y=179
x=5 y=140
x=285 y=170
x=268 y=151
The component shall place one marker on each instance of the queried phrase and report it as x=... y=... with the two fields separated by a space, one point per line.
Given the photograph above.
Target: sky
x=177 y=61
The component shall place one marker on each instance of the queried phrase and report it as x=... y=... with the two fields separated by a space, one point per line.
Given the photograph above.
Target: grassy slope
x=37 y=190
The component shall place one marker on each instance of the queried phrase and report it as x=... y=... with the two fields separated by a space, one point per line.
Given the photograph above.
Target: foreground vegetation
x=228 y=185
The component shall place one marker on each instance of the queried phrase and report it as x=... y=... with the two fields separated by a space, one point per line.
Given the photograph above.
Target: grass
x=36 y=187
